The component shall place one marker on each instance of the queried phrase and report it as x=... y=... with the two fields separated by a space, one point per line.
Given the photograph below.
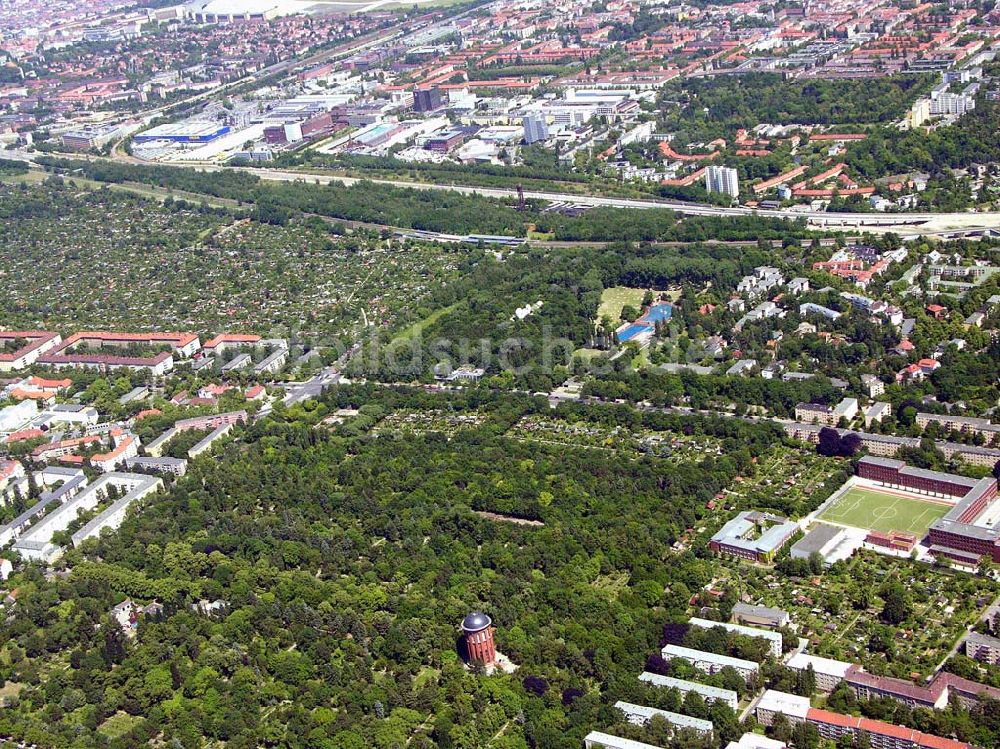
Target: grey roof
x=69 y=473
x=281 y=353
x=143 y=484
x=951 y=478
x=981 y=487
x=969 y=556
x=737 y=532
x=958 y=447
x=767 y=612
x=47 y=498
x=476 y=621
x=698 y=656
x=208 y=439
x=136 y=393
x=643 y=714
x=883 y=462
x=150 y=462
x=673 y=368
x=69 y=408
x=683 y=686
x=608 y=741
x=984 y=424
x=163 y=461
x=816 y=539
x=243 y=360
x=966 y=529
x=979 y=640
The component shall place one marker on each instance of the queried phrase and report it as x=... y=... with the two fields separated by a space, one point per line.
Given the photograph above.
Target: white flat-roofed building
x=69 y=488
x=71 y=413
x=773 y=638
x=164 y=465
x=49 y=476
x=710 y=663
x=708 y=693
x=240 y=361
x=273 y=363
x=184 y=132
x=640 y=715
x=757 y=536
x=722 y=179
x=792 y=706
x=599 y=740
x=846 y=409
x=877 y=412
x=829 y=672
x=13 y=417
x=136 y=486
x=756 y=741
x=36 y=543
x=206 y=443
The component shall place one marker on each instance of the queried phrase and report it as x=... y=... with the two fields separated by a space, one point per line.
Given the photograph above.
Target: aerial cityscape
x=500 y=374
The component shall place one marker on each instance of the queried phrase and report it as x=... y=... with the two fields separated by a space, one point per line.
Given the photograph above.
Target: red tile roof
x=881 y=728
x=41 y=382
x=36 y=339
x=25 y=434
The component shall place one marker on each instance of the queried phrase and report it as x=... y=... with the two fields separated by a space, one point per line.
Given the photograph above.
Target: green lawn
x=586 y=354
x=884 y=511
x=418 y=327
x=119 y=724
x=613 y=299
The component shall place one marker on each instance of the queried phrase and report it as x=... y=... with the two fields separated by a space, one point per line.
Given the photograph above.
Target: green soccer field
x=882 y=511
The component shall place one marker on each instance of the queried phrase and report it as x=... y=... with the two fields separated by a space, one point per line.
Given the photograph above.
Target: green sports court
x=885 y=510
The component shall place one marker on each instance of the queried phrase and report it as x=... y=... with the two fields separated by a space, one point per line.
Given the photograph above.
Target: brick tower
x=478 y=629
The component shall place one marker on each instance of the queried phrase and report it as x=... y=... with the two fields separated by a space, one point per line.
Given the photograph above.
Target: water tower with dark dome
x=478 y=630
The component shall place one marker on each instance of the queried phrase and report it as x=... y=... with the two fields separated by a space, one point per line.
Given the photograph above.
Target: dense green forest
x=471 y=321
x=744 y=101
x=345 y=564
x=974 y=139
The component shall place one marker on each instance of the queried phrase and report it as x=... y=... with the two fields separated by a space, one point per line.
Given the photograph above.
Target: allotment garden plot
x=425 y=422
x=791 y=480
x=627 y=442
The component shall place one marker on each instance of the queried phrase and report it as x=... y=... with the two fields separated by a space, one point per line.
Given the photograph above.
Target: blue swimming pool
x=627 y=334
x=657 y=313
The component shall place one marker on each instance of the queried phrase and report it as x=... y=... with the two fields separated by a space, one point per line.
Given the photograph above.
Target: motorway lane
x=916 y=223
x=926 y=224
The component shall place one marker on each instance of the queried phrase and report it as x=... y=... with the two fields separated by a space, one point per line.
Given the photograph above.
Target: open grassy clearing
x=616 y=297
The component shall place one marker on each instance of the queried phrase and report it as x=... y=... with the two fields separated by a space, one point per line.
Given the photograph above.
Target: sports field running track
x=886 y=510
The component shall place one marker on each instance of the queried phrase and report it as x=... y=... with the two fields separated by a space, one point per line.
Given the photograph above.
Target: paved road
x=911 y=223
x=944 y=225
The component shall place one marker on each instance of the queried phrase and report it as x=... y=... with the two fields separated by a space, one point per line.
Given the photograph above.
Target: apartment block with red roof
x=36 y=343
x=832 y=726
x=67 y=355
